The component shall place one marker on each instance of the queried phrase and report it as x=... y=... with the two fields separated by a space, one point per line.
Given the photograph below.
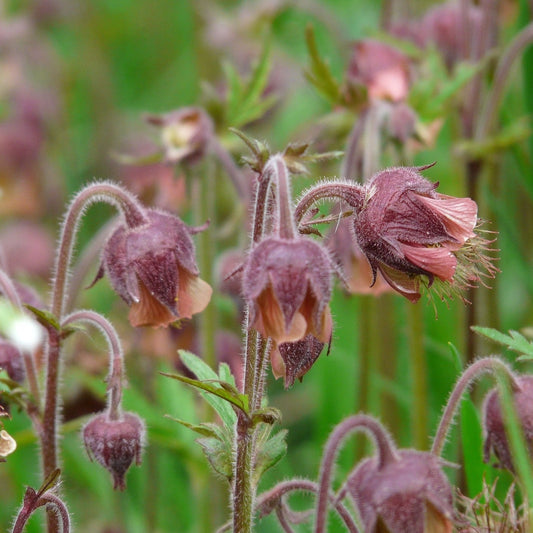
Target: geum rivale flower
x=153 y=268
x=414 y=235
x=287 y=285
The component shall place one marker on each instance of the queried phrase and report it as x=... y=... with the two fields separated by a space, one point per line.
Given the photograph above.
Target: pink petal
x=459 y=215
x=437 y=260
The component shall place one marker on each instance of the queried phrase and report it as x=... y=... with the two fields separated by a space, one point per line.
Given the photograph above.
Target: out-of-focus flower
x=185 y=133
x=355 y=267
x=495 y=436
x=115 y=444
x=7 y=444
x=153 y=269
x=413 y=235
x=287 y=284
x=27 y=248
x=382 y=69
x=452 y=28
x=410 y=493
x=11 y=361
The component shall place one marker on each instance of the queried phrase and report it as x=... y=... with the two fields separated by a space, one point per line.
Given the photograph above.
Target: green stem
x=419 y=369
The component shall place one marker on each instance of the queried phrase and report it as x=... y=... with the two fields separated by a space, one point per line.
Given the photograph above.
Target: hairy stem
x=116 y=357
x=486 y=365
x=280 y=175
x=386 y=452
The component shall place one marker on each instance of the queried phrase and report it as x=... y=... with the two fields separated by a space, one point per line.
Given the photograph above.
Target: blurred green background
x=98 y=66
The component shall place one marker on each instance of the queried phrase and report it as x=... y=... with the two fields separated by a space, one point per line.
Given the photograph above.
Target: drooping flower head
x=287 y=284
x=494 y=426
x=414 y=235
x=382 y=69
x=115 y=444
x=410 y=493
x=153 y=269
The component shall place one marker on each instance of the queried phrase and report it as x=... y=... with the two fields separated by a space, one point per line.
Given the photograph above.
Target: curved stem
x=269 y=499
x=97 y=192
x=488 y=112
x=351 y=193
x=475 y=370
x=351 y=163
x=386 y=452
x=116 y=359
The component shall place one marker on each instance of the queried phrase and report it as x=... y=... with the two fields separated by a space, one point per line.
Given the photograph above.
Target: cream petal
x=405 y=284
x=194 y=295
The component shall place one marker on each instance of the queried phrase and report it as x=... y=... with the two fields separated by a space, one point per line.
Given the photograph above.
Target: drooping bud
x=410 y=493
x=11 y=361
x=413 y=235
x=287 y=284
x=153 y=269
x=494 y=427
x=115 y=444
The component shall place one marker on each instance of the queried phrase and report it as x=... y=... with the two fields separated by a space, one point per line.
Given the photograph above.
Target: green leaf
x=267 y=415
x=203 y=429
x=319 y=72
x=45 y=318
x=50 y=482
x=269 y=451
x=245 y=101
x=472 y=445
x=514 y=341
x=219 y=455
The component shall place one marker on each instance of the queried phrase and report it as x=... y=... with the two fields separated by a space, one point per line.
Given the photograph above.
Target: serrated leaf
x=319 y=72
x=224 y=372
x=269 y=453
x=218 y=455
x=514 y=341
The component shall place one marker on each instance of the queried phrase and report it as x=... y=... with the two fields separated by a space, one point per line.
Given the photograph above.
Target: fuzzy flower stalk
x=411 y=234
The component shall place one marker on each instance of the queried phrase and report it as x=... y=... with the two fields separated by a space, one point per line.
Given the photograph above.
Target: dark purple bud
x=11 y=361
x=153 y=269
x=407 y=494
x=494 y=427
x=287 y=284
x=115 y=444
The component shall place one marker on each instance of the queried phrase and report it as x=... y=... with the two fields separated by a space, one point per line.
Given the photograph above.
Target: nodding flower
x=413 y=235
x=153 y=269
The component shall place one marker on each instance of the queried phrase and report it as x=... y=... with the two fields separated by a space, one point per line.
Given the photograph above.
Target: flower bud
x=11 y=361
x=409 y=493
x=494 y=427
x=153 y=269
x=287 y=284
x=413 y=235
x=115 y=444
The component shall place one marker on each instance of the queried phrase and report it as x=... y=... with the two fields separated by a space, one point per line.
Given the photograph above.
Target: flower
x=409 y=493
x=153 y=269
x=115 y=444
x=382 y=69
x=413 y=235
x=185 y=133
x=287 y=285
x=494 y=427
x=11 y=361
